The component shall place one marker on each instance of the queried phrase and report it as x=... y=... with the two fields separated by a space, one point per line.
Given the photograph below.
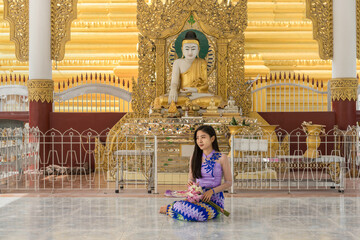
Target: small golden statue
x=173 y=111
x=155 y=110
x=212 y=109
x=157 y=105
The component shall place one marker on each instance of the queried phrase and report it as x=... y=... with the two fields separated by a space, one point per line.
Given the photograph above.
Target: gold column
x=343 y=96
x=343 y=89
x=358 y=28
x=41 y=90
x=160 y=67
x=222 y=46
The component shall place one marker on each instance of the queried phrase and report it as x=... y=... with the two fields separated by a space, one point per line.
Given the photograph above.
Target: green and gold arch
x=160 y=24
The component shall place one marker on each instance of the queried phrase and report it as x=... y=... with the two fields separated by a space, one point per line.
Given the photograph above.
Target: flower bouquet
x=194 y=194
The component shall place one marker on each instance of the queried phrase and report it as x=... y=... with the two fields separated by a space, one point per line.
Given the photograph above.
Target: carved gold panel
x=224 y=23
x=144 y=90
x=343 y=89
x=160 y=45
x=16 y=12
x=358 y=28
x=41 y=90
x=321 y=14
x=63 y=12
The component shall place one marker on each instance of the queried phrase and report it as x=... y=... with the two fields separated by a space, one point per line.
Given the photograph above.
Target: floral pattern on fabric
x=210 y=163
x=201 y=211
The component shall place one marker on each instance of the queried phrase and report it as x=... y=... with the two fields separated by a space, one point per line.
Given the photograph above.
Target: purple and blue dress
x=211 y=173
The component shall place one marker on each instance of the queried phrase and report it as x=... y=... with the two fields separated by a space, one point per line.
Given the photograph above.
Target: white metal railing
x=31 y=160
x=19 y=156
x=89 y=93
x=13 y=93
x=288 y=93
x=93 y=93
x=289 y=160
x=106 y=93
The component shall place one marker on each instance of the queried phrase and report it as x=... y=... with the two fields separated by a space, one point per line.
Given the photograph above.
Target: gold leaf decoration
x=343 y=89
x=321 y=14
x=144 y=91
x=236 y=81
x=161 y=20
x=225 y=22
x=358 y=28
x=63 y=12
x=41 y=90
x=16 y=12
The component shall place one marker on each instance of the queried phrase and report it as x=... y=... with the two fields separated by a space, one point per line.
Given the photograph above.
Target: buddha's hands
x=173 y=96
x=189 y=89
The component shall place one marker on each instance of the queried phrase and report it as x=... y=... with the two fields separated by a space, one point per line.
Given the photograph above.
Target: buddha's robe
x=194 y=77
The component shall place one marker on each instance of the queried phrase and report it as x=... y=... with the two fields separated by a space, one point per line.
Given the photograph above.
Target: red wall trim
x=21 y=116
x=83 y=121
x=289 y=121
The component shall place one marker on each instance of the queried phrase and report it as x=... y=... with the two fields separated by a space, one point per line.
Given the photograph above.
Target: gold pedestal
x=210 y=114
x=231 y=115
x=270 y=135
x=313 y=139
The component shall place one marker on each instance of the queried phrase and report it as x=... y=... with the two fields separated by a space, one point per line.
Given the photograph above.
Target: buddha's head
x=190 y=46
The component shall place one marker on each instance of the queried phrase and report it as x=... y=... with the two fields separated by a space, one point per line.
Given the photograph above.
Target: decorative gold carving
x=160 y=67
x=222 y=47
x=41 y=90
x=358 y=28
x=163 y=20
x=270 y=135
x=313 y=139
x=63 y=12
x=343 y=89
x=117 y=139
x=334 y=171
x=236 y=80
x=172 y=108
x=17 y=13
x=321 y=14
x=144 y=89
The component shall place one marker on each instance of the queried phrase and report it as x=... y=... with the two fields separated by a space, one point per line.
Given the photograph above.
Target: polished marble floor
x=138 y=218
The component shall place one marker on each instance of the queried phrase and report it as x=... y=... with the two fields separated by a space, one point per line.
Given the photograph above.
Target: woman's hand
x=207 y=195
x=190 y=183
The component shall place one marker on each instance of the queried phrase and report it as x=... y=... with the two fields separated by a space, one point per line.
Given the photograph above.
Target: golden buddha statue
x=212 y=109
x=189 y=78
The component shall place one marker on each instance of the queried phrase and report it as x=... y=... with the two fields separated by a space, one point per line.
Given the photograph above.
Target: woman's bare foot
x=163 y=209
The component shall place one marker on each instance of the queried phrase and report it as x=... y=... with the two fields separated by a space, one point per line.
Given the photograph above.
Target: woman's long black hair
x=196 y=161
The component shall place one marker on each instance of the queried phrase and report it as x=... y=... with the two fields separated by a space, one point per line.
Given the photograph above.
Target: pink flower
x=194 y=193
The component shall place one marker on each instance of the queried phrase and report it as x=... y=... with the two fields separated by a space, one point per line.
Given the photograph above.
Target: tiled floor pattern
x=138 y=218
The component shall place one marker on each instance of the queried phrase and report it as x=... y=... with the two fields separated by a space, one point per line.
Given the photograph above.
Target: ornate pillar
x=344 y=83
x=160 y=67
x=40 y=83
x=222 y=46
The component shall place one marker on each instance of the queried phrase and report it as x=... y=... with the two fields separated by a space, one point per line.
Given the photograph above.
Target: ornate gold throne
x=160 y=24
